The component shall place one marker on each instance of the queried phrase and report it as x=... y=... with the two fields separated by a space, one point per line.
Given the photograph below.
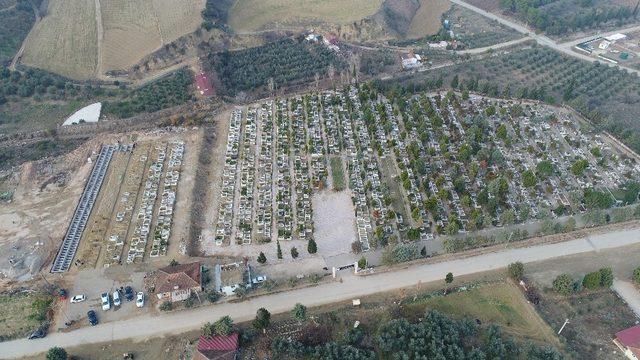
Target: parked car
x=259 y=279
x=106 y=301
x=128 y=293
x=38 y=334
x=78 y=298
x=93 y=317
x=140 y=299
x=116 y=298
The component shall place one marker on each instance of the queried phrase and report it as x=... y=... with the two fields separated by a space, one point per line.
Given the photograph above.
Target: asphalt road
x=350 y=288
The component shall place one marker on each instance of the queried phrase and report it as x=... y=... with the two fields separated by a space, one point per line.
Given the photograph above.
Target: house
x=230 y=277
x=178 y=282
x=411 y=60
x=604 y=45
x=217 y=348
x=628 y=341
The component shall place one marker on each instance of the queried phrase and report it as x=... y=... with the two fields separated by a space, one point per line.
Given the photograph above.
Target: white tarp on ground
x=89 y=113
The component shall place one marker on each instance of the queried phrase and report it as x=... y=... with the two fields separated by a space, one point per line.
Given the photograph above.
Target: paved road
x=351 y=287
x=629 y=294
x=566 y=48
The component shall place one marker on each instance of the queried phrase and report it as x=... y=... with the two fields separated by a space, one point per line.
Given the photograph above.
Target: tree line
x=171 y=91
x=551 y=15
x=282 y=62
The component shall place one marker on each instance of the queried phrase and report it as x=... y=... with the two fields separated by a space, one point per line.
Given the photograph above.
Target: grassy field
x=30 y=117
x=427 y=20
x=18 y=317
x=253 y=15
x=499 y=303
x=337 y=172
x=66 y=40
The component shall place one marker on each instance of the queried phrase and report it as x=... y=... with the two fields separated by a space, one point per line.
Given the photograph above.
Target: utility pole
x=563 y=325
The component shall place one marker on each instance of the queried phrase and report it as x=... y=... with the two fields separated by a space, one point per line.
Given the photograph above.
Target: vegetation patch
x=22 y=313
x=337 y=172
x=594 y=318
x=408 y=331
x=16 y=21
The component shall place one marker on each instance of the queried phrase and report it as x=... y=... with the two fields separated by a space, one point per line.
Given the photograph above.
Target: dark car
x=128 y=293
x=93 y=318
x=38 y=334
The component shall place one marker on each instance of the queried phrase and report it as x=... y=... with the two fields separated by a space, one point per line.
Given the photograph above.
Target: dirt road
x=351 y=287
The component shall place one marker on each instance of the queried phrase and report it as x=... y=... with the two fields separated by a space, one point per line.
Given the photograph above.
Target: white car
x=140 y=299
x=259 y=279
x=78 y=298
x=106 y=302
x=116 y=298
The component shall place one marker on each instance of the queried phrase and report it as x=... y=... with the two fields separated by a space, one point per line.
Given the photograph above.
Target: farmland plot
x=252 y=15
x=130 y=32
x=80 y=41
x=66 y=40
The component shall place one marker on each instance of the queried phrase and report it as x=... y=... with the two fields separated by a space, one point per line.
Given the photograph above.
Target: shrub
x=591 y=281
x=449 y=278
x=312 y=247
x=636 y=275
x=362 y=263
x=57 y=353
x=166 y=306
x=224 y=326
x=294 y=252
x=606 y=277
x=212 y=295
x=516 y=271
x=262 y=320
x=189 y=302
x=299 y=312
x=261 y=258
x=563 y=284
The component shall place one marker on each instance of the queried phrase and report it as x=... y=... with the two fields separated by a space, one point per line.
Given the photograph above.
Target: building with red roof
x=204 y=85
x=178 y=282
x=628 y=341
x=218 y=347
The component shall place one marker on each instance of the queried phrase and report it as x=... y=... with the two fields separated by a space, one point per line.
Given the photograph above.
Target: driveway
x=628 y=292
x=351 y=287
